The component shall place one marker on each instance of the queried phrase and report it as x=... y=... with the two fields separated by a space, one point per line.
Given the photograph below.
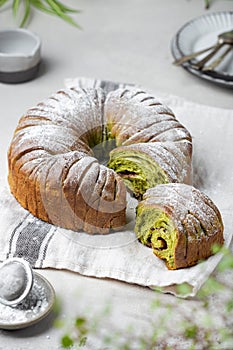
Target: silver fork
x=225 y=38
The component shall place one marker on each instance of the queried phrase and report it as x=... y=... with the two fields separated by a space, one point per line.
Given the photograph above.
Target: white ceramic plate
x=27 y=316
x=201 y=33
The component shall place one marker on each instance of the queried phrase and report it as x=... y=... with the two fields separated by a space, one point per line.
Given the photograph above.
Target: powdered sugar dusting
x=185 y=200
x=75 y=120
x=33 y=307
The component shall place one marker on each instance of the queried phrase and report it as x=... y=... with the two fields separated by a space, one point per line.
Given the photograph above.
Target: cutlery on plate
x=218 y=60
x=225 y=38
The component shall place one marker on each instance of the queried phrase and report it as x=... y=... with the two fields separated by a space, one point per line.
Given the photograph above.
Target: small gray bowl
x=19 y=55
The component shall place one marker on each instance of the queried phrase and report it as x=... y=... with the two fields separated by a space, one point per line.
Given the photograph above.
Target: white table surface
x=122 y=40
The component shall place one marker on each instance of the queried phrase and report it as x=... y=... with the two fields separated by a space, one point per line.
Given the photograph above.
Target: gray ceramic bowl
x=19 y=55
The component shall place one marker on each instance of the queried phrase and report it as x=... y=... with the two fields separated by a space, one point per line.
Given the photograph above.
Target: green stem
x=207 y=4
x=2 y=2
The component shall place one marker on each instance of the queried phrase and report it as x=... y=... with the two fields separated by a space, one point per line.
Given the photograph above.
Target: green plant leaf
x=65 y=8
x=15 y=6
x=229 y=306
x=191 y=331
x=2 y=2
x=226 y=263
x=183 y=288
x=67 y=341
x=40 y=6
x=82 y=341
x=58 y=323
x=26 y=13
x=211 y=286
x=58 y=10
x=80 y=322
x=216 y=248
x=51 y=7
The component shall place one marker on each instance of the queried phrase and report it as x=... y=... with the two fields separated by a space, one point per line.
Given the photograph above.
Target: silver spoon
x=223 y=38
x=216 y=62
x=16 y=280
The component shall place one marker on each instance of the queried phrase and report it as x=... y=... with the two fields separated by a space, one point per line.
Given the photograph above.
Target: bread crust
x=52 y=169
x=196 y=221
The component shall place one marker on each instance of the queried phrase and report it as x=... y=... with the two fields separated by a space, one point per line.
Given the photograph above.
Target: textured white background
x=122 y=41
